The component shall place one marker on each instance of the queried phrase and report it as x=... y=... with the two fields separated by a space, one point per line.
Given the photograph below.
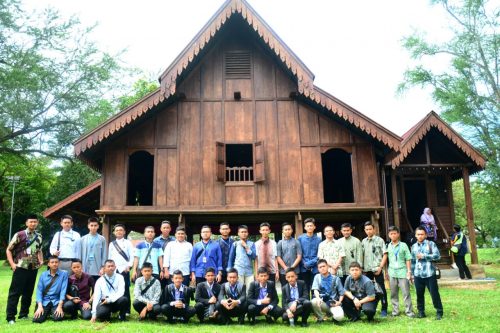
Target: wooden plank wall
x=183 y=137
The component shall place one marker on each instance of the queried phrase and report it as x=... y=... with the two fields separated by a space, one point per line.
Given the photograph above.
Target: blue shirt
x=423 y=268
x=241 y=259
x=206 y=255
x=142 y=250
x=225 y=247
x=57 y=291
x=310 y=247
x=163 y=241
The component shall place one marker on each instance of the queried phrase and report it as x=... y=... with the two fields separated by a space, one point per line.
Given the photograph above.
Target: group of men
x=226 y=278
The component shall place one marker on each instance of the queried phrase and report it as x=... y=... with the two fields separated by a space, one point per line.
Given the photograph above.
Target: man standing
x=51 y=292
x=206 y=253
x=331 y=251
x=310 y=244
x=108 y=295
x=352 y=249
x=359 y=294
x=328 y=294
x=177 y=256
x=163 y=241
x=64 y=244
x=263 y=298
x=80 y=285
x=289 y=252
x=423 y=253
x=241 y=255
x=147 y=293
x=25 y=256
x=206 y=296
x=266 y=252
x=225 y=243
x=92 y=249
x=399 y=272
x=295 y=299
x=232 y=299
x=148 y=251
x=374 y=260
x=177 y=298
x=121 y=252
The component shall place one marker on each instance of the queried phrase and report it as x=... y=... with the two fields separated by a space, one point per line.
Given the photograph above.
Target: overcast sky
x=353 y=47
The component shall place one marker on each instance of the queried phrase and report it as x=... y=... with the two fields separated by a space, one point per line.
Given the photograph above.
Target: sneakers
x=304 y=324
x=383 y=313
x=421 y=315
x=439 y=316
x=12 y=322
x=410 y=315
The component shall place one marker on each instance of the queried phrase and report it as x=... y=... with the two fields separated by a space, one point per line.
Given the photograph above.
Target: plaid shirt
x=423 y=268
x=26 y=257
x=373 y=251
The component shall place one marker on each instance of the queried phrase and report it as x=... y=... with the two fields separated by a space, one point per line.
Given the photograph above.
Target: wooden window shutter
x=258 y=162
x=220 y=149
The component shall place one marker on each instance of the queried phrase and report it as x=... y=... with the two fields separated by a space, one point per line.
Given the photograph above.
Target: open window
x=337 y=176
x=240 y=162
x=140 y=179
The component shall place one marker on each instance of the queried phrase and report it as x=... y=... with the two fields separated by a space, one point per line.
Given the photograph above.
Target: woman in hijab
x=427 y=221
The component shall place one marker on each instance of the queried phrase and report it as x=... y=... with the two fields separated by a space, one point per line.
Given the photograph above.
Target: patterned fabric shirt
x=331 y=251
x=423 y=268
x=25 y=246
x=353 y=252
x=398 y=255
x=266 y=254
x=152 y=295
x=373 y=251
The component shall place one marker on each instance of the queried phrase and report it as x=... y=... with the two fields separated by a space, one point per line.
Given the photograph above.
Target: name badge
x=204 y=260
x=28 y=250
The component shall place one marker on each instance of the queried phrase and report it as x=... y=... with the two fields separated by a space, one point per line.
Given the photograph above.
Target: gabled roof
x=168 y=82
x=85 y=197
x=413 y=136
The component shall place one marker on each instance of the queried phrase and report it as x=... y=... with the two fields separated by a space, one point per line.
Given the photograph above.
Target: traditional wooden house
x=238 y=132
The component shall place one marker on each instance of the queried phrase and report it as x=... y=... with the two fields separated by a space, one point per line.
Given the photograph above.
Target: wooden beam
x=395 y=209
x=181 y=222
x=299 y=227
x=106 y=230
x=384 y=197
x=470 y=216
x=374 y=218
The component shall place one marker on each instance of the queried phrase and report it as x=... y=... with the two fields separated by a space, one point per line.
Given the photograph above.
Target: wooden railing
x=405 y=218
x=445 y=237
x=239 y=174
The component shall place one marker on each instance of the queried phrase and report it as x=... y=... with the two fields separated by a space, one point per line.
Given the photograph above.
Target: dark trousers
x=239 y=311
x=139 y=306
x=350 y=310
x=165 y=282
x=22 y=284
x=463 y=270
x=254 y=311
x=49 y=309
x=201 y=309
x=72 y=309
x=303 y=310
x=223 y=278
x=343 y=278
x=199 y=280
x=308 y=278
x=126 y=277
x=104 y=311
x=380 y=280
x=171 y=311
x=432 y=285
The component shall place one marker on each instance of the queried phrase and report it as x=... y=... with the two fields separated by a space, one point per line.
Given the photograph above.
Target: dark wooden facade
x=238 y=83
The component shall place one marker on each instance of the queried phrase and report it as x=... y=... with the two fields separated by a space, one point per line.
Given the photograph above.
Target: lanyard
x=396 y=250
x=233 y=291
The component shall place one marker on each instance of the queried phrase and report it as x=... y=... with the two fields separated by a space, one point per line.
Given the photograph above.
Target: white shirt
x=67 y=247
x=120 y=262
x=177 y=256
x=103 y=290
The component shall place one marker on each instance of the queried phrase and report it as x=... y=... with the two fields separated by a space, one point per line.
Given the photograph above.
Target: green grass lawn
x=471 y=309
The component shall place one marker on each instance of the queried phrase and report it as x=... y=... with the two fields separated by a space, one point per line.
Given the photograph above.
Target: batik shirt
x=373 y=251
x=424 y=268
x=25 y=246
x=331 y=251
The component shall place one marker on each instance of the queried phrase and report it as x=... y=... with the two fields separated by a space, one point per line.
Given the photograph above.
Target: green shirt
x=398 y=255
x=373 y=251
x=353 y=252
